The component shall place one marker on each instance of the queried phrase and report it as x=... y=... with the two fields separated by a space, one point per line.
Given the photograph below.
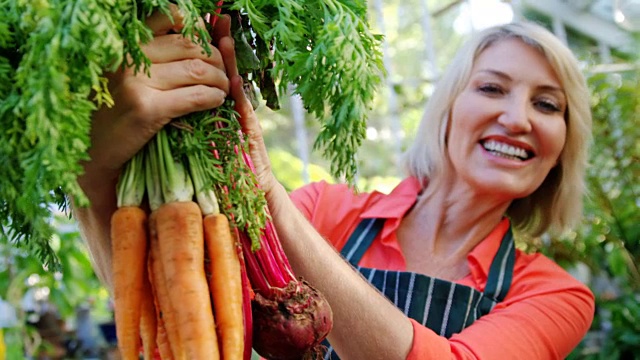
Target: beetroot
x=292 y=323
x=289 y=317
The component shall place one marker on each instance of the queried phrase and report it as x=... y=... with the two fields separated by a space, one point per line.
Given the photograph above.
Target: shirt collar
x=393 y=207
x=481 y=257
x=395 y=204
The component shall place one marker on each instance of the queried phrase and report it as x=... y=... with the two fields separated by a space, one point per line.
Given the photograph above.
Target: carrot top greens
x=54 y=53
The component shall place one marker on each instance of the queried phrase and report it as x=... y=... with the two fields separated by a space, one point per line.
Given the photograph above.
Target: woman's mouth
x=505 y=150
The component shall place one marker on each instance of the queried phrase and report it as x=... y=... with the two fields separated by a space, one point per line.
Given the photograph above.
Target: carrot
x=129 y=246
x=162 y=339
x=224 y=268
x=148 y=322
x=168 y=340
x=225 y=285
x=180 y=236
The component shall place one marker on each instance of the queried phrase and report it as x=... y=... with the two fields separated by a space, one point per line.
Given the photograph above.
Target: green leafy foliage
x=324 y=48
x=214 y=146
x=53 y=55
x=45 y=114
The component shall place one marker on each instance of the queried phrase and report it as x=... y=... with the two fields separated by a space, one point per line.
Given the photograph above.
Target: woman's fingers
x=247 y=117
x=161 y=23
x=142 y=104
x=253 y=131
x=175 y=47
x=227 y=51
x=185 y=100
x=169 y=45
x=189 y=72
x=222 y=28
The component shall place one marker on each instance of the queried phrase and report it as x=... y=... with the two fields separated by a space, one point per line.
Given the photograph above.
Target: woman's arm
x=366 y=324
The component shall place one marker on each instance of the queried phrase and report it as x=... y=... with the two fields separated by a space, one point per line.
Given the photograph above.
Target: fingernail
x=222 y=96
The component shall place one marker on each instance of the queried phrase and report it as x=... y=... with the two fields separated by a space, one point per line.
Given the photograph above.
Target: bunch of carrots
x=177 y=270
x=196 y=259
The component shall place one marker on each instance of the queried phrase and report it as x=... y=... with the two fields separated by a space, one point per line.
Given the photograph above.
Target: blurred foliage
x=31 y=289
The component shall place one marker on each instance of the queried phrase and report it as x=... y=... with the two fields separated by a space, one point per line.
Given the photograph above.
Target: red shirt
x=544 y=316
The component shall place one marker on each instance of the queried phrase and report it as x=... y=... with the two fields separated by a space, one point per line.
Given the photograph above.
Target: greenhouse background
x=68 y=314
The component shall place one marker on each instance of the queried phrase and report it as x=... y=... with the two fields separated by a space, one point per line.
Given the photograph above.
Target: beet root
x=292 y=323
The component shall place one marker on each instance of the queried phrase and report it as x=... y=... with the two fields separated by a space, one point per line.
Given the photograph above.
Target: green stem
x=175 y=181
x=205 y=195
x=131 y=185
x=152 y=171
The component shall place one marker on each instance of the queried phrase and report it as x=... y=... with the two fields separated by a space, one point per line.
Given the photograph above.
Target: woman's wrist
x=98 y=183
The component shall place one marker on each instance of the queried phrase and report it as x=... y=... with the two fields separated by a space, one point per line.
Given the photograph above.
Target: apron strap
x=361 y=239
x=501 y=270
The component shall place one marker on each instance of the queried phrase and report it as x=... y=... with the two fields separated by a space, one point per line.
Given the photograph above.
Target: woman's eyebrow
x=497 y=73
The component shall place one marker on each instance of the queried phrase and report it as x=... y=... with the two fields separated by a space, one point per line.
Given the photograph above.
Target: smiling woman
x=512 y=105
x=557 y=203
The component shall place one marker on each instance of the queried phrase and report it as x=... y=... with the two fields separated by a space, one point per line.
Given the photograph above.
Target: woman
x=502 y=144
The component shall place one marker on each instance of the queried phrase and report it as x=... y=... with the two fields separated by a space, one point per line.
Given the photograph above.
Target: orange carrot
x=129 y=247
x=225 y=285
x=180 y=236
x=162 y=339
x=168 y=340
x=148 y=323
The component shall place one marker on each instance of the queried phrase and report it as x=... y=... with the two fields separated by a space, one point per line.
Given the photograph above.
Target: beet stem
x=276 y=247
x=254 y=270
x=270 y=266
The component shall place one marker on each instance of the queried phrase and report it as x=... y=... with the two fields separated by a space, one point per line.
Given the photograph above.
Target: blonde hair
x=557 y=204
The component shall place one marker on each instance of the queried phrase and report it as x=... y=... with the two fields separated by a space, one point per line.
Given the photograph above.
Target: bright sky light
x=480 y=14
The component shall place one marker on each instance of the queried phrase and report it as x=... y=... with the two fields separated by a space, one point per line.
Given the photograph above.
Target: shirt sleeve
x=306 y=197
x=540 y=323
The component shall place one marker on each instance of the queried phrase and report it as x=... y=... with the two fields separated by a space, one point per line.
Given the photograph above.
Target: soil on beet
x=291 y=324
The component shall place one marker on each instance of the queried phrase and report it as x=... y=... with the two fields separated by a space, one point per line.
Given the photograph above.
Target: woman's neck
x=445 y=224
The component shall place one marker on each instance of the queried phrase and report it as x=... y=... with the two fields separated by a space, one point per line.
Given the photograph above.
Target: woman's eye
x=491 y=89
x=547 y=106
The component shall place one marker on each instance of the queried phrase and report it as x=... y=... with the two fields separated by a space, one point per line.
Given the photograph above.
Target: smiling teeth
x=499 y=148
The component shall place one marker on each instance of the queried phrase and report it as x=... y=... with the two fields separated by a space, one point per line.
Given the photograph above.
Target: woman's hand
x=182 y=79
x=250 y=126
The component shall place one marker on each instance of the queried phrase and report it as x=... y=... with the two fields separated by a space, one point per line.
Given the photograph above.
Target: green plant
x=66 y=289
x=53 y=55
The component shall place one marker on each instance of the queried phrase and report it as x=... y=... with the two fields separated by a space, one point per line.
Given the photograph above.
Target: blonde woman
x=429 y=271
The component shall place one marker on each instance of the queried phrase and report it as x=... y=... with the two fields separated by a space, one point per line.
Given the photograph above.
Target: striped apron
x=442 y=306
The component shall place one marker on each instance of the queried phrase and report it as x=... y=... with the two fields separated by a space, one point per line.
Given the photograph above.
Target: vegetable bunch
x=207 y=209
x=179 y=283
x=53 y=55
x=180 y=280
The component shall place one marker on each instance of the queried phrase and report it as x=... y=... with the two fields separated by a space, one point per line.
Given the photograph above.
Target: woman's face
x=507 y=127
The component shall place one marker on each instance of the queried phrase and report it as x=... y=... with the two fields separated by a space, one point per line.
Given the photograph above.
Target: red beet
x=289 y=317
x=291 y=323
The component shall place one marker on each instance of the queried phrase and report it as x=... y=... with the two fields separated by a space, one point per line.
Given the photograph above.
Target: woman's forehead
x=513 y=57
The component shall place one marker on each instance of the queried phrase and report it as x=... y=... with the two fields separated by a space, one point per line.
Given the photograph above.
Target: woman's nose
x=515 y=116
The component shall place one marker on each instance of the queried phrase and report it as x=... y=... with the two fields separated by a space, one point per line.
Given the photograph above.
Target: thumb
x=253 y=135
x=248 y=119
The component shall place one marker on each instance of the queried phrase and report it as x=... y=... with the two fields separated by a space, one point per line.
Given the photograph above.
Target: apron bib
x=443 y=306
